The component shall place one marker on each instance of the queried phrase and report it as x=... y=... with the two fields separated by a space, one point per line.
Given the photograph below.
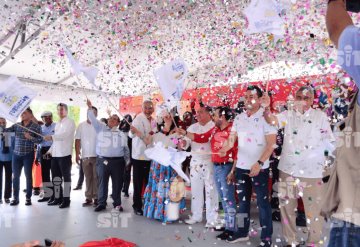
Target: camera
x=353 y=6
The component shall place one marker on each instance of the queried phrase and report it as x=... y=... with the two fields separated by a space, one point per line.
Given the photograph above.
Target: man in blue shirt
x=112 y=154
x=6 y=152
x=47 y=129
x=24 y=153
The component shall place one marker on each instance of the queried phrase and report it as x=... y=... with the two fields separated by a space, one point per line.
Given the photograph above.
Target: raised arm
x=337 y=19
x=91 y=116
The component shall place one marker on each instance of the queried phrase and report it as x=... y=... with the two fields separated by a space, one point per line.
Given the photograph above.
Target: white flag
x=168 y=157
x=15 y=97
x=263 y=17
x=89 y=72
x=170 y=79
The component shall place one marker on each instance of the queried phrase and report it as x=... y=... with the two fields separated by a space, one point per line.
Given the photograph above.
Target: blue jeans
x=18 y=162
x=227 y=194
x=344 y=234
x=244 y=186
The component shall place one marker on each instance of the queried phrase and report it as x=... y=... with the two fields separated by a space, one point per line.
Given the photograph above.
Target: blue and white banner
x=171 y=78
x=15 y=97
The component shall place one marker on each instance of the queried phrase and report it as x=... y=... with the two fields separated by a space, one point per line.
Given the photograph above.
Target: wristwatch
x=260 y=163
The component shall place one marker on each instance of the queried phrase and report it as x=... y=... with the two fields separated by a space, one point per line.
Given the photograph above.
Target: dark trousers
x=61 y=178
x=45 y=166
x=81 y=175
x=127 y=179
x=18 y=162
x=244 y=188
x=106 y=168
x=8 y=178
x=141 y=170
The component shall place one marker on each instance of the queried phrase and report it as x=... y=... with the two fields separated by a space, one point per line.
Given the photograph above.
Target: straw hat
x=177 y=189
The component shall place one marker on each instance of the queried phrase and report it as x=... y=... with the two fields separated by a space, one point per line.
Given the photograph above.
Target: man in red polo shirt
x=224 y=167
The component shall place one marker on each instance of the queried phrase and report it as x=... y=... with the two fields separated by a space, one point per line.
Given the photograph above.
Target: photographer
x=342 y=201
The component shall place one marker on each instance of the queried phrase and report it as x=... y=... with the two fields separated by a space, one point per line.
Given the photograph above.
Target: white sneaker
x=191 y=221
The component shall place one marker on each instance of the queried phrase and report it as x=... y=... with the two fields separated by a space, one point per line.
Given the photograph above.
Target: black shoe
x=301 y=220
x=96 y=203
x=7 y=200
x=65 y=204
x=138 y=212
x=289 y=245
x=100 y=208
x=78 y=188
x=24 y=190
x=87 y=203
x=265 y=244
x=119 y=208
x=14 y=202
x=54 y=203
x=36 y=192
x=126 y=195
x=44 y=199
x=224 y=235
x=28 y=202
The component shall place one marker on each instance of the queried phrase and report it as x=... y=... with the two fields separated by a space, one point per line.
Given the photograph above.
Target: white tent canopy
x=127 y=40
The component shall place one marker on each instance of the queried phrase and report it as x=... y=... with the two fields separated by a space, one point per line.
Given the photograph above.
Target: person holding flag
x=27 y=133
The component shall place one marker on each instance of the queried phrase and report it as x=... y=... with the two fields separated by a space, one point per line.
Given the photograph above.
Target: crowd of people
x=230 y=160
x=231 y=154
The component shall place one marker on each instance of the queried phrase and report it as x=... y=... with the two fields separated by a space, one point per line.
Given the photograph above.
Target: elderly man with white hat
x=48 y=128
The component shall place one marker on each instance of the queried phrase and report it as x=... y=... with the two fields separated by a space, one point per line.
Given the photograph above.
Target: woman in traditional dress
x=157 y=192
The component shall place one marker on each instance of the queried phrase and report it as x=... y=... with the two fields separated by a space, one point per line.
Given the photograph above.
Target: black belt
x=223 y=163
x=110 y=158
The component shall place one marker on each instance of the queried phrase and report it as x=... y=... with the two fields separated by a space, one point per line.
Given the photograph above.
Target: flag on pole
x=168 y=157
x=263 y=17
x=89 y=72
x=15 y=97
x=171 y=78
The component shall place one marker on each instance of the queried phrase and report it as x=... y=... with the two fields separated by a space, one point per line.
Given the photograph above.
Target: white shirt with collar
x=63 y=138
x=86 y=133
x=196 y=147
x=307 y=136
x=251 y=132
x=145 y=127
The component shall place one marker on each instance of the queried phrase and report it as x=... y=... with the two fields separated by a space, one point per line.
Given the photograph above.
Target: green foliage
x=39 y=107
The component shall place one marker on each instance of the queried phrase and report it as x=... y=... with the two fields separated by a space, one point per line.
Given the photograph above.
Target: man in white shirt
x=307 y=137
x=202 y=173
x=257 y=140
x=61 y=150
x=85 y=142
x=142 y=126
